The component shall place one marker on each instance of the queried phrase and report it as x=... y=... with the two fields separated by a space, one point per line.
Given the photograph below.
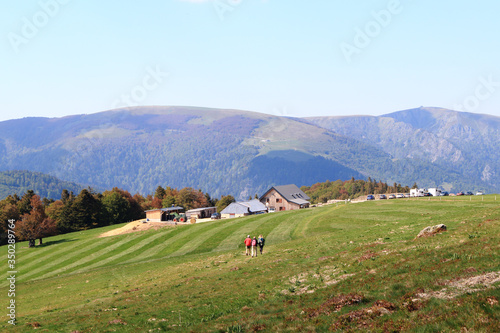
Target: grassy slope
x=195 y=278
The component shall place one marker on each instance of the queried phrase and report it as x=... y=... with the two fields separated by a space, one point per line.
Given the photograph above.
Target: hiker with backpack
x=261 y=241
x=248 y=244
x=254 y=246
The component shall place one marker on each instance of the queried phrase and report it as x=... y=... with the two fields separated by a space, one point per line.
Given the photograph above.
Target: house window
x=282 y=208
x=278 y=200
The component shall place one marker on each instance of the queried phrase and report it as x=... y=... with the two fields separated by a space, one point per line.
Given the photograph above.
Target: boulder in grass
x=430 y=231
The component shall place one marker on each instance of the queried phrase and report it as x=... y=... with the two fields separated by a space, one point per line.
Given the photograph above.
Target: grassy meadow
x=346 y=267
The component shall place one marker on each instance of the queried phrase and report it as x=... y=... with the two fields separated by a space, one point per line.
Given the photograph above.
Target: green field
x=351 y=267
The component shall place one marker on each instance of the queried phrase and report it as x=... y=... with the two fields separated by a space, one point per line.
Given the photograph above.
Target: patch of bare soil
x=468 y=285
x=364 y=317
x=334 y=304
x=117 y=321
x=367 y=255
x=135 y=227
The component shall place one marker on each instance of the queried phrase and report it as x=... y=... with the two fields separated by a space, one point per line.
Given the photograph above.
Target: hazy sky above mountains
x=284 y=57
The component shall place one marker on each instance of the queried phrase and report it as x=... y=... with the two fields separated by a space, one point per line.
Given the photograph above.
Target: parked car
x=392 y=196
x=382 y=196
x=469 y=193
x=407 y=195
x=370 y=197
x=444 y=194
x=399 y=195
x=215 y=216
x=460 y=193
x=479 y=193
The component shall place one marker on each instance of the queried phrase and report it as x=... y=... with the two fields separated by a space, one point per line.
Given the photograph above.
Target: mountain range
x=244 y=153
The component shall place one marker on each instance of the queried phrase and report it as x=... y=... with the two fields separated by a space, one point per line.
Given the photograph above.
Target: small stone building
x=285 y=197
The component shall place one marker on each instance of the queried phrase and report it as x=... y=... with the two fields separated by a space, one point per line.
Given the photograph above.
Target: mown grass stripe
x=136 y=247
x=236 y=238
x=48 y=262
x=312 y=219
x=197 y=241
x=39 y=260
x=82 y=261
x=283 y=231
x=182 y=231
x=194 y=232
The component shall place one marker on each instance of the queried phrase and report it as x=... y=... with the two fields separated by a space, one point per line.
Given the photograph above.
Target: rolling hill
x=239 y=152
x=346 y=268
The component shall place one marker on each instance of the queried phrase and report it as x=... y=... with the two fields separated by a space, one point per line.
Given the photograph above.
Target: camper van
x=418 y=192
x=435 y=192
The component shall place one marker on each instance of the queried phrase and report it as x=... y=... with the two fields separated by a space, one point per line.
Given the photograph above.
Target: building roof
x=291 y=193
x=300 y=201
x=245 y=207
x=254 y=205
x=235 y=208
x=169 y=209
x=199 y=209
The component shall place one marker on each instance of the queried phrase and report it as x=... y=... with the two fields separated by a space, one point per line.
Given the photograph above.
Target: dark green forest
x=19 y=182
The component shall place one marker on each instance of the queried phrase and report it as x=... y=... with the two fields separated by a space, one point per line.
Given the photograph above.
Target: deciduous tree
x=36 y=224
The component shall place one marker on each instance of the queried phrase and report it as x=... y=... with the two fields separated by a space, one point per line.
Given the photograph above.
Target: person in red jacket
x=248 y=244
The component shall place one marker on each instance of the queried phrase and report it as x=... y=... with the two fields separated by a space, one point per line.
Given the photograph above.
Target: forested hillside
x=218 y=151
x=241 y=153
x=19 y=182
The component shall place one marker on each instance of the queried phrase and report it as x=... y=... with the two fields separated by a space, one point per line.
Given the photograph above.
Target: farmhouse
x=244 y=208
x=285 y=197
x=163 y=214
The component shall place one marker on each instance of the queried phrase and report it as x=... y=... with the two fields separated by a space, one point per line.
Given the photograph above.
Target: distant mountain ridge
x=244 y=153
x=458 y=142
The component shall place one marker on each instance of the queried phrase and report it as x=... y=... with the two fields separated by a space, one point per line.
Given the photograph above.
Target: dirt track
x=136 y=226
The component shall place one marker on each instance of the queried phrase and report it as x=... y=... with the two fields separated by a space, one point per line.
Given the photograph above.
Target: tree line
x=350 y=189
x=37 y=218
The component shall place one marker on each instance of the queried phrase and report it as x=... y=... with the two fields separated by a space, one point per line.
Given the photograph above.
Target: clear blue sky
x=285 y=57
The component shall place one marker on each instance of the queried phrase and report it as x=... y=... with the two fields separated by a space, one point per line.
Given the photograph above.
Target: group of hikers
x=251 y=245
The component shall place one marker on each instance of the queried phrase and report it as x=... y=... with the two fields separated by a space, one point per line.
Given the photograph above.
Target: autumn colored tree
x=190 y=198
x=8 y=211
x=35 y=224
